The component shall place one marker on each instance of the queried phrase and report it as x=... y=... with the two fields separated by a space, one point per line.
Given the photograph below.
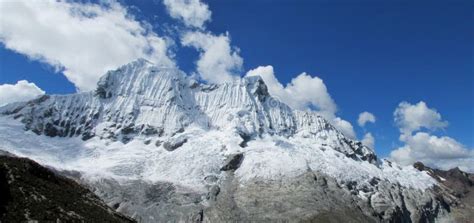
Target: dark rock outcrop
x=31 y=192
x=233 y=162
x=456 y=190
x=162 y=201
x=174 y=143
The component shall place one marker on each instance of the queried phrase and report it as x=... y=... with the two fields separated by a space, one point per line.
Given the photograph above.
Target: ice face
x=157 y=123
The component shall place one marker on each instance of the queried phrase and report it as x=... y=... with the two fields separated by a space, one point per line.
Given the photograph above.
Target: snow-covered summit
x=156 y=124
x=140 y=99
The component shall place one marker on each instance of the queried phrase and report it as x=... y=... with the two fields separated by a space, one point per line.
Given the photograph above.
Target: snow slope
x=204 y=154
x=156 y=124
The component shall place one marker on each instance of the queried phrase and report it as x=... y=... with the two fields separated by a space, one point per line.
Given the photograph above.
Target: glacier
x=162 y=146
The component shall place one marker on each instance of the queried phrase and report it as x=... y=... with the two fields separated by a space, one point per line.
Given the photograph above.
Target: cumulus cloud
x=218 y=61
x=303 y=92
x=268 y=75
x=441 y=152
x=411 y=117
x=369 y=140
x=310 y=91
x=344 y=126
x=83 y=40
x=192 y=13
x=21 y=91
x=365 y=117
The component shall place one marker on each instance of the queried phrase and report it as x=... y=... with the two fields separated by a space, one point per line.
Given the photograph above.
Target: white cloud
x=441 y=152
x=304 y=92
x=365 y=117
x=301 y=93
x=192 y=13
x=218 y=61
x=310 y=91
x=268 y=75
x=81 y=40
x=21 y=91
x=411 y=118
x=369 y=140
x=344 y=126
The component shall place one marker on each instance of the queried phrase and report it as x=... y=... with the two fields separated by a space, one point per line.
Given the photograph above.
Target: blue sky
x=371 y=55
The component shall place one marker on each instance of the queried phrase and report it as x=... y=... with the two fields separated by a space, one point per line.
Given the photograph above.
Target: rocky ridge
x=30 y=192
x=456 y=187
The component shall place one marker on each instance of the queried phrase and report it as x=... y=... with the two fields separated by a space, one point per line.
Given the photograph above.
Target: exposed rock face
x=30 y=192
x=457 y=190
x=174 y=143
x=233 y=162
x=311 y=197
x=150 y=202
x=159 y=146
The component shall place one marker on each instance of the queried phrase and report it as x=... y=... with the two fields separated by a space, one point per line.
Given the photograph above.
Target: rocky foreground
x=31 y=192
x=457 y=188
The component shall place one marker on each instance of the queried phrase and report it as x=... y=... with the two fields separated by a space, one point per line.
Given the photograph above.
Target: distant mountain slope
x=31 y=192
x=460 y=186
x=157 y=145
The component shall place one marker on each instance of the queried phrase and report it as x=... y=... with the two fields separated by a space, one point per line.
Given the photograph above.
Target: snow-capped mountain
x=159 y=146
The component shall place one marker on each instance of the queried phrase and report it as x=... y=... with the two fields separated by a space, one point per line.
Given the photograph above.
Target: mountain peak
x=142 y=60
x=140 y=97
x=257 y=86
x=134 y=77
x=147 y=124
